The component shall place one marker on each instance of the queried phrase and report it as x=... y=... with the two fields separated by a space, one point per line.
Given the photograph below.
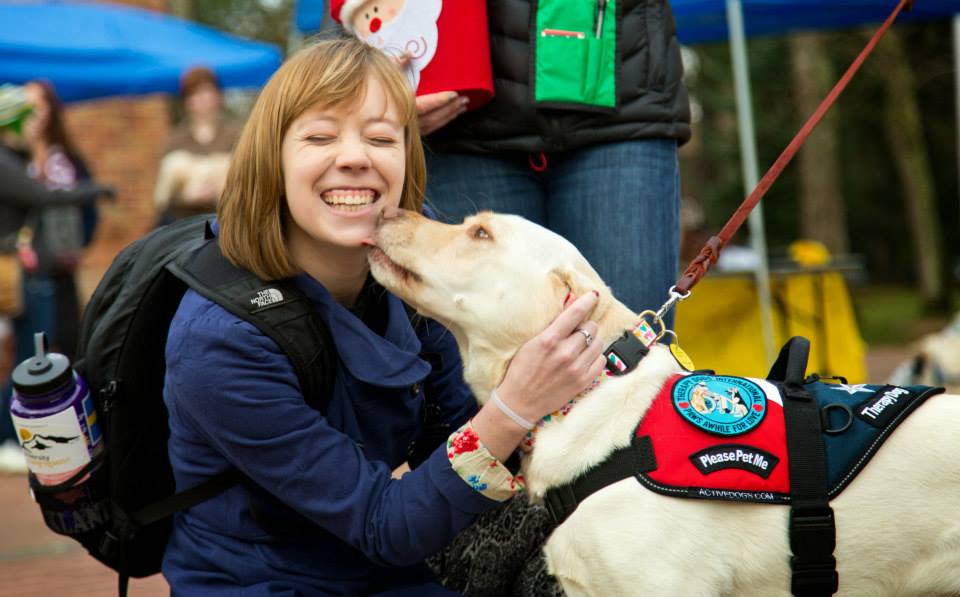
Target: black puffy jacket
x=651 y=98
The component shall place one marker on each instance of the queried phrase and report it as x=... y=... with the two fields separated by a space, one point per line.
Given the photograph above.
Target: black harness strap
x=623 y=463
x=812 y=526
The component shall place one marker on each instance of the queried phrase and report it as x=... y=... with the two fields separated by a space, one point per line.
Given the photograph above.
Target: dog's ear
x=569 y=280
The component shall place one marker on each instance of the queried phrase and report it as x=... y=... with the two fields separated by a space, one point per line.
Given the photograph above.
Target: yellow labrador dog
x=496 y=281
x=935 y=362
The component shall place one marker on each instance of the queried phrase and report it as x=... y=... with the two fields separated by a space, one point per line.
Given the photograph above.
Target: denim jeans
x=39 y=314
x=618 y=203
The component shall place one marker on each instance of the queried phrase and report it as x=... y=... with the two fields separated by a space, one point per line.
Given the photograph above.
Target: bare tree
x=905 y=136
x=822 y=209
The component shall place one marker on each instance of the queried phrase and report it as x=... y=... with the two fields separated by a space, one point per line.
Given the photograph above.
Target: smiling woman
x=330 y=506
x=342 y=166
x=328 y=128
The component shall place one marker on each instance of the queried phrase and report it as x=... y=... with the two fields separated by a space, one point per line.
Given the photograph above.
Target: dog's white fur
x=935 y=360
x=898 y=531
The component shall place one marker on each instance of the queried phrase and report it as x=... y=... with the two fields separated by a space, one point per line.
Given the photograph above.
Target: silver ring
x=586 y=335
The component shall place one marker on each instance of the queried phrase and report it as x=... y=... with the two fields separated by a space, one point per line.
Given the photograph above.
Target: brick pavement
x=35 y=562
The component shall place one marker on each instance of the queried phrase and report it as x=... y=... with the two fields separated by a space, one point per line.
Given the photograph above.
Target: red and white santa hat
x=342 y=11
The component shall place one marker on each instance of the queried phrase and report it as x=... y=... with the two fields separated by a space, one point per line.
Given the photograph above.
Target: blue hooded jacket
x=234 y=401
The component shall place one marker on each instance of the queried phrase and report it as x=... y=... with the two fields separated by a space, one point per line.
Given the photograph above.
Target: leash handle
x=711 y=251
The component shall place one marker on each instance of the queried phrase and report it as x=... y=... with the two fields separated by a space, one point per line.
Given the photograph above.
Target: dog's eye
x=480 y=233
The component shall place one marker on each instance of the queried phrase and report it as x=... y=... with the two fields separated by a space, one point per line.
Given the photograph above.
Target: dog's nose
x=390 y=213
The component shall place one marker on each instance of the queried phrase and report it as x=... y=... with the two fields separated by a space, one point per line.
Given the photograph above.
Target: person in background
x=194 y=163
x=54 y=238
x=20 y=198
x=587 y=150
x=330 y=147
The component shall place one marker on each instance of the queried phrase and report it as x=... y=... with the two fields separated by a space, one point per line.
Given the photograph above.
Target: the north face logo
x=267 y=296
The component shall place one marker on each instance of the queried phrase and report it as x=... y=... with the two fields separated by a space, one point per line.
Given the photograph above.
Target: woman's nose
x=353 y=154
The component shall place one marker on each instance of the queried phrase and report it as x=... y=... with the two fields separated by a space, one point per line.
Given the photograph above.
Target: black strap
x=278 y=309
x=812 y=525
x=188 y=498
x=638 y=457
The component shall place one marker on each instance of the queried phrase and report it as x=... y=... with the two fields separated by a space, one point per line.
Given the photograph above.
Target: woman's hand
x=545 y=374
x=435 y=110
x=554 y=366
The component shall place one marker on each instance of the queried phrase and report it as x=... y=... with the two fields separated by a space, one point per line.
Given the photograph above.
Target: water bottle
x=56 y=424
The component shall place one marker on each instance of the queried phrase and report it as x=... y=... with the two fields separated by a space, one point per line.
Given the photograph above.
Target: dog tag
x=681 y=356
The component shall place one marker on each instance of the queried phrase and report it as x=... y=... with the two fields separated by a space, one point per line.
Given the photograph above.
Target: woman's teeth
x=349 y=200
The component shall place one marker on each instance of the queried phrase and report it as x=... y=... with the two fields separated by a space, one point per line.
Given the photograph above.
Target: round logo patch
x=720 y=404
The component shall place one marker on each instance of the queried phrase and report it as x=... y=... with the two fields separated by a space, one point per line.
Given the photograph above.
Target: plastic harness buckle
x=629 y=349
x=812 y=539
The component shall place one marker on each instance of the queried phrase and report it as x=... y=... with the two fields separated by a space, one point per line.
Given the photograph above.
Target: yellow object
x=721 y=327
x=682 y=357
x=809 y=253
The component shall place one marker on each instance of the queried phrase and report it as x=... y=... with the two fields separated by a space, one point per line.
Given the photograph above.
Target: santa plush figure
x=448 y=49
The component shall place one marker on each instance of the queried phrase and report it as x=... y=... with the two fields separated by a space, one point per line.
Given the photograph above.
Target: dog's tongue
x=368 y=242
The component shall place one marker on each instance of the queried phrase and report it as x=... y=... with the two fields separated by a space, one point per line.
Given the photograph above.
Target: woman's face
x=35 y=124
x=204 y=101
x=341 y=167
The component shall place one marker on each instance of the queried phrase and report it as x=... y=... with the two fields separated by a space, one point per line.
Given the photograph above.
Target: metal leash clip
x=675 y=297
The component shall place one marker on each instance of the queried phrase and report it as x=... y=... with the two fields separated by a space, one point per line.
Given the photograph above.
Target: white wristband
x=509 y=412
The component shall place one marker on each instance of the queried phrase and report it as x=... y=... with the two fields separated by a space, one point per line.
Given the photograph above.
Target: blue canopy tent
x=309 y=15
x=92 y=50
x=703 y=21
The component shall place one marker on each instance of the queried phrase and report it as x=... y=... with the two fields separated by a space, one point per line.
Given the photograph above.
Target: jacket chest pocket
x=575 y=54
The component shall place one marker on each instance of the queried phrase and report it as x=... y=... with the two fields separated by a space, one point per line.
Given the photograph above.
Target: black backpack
x=122 y=512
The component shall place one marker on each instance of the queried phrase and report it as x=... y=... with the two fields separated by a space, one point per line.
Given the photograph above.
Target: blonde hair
x=251 y=208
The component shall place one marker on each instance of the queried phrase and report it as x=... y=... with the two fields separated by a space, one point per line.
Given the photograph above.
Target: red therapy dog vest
x=723 y=437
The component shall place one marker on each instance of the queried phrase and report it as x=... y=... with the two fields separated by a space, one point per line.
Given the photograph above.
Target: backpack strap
x=812 y=525
x=278 y=309
x=188 y=498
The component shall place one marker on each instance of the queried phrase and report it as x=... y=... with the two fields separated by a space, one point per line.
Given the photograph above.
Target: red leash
x=711 y=250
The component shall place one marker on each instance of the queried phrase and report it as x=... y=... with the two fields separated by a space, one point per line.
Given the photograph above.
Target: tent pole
x=956 y=82
x=748 y=150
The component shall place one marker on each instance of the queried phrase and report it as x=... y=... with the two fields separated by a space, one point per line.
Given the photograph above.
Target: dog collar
x=629 y=349
x=622 y=356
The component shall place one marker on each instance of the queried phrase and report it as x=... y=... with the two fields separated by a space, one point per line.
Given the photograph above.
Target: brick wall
x=121 y=139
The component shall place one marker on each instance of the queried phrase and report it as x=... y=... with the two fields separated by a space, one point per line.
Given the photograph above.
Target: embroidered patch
x=722 y=405
x=265 y=297
x=880 y=408
x=743 y=457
